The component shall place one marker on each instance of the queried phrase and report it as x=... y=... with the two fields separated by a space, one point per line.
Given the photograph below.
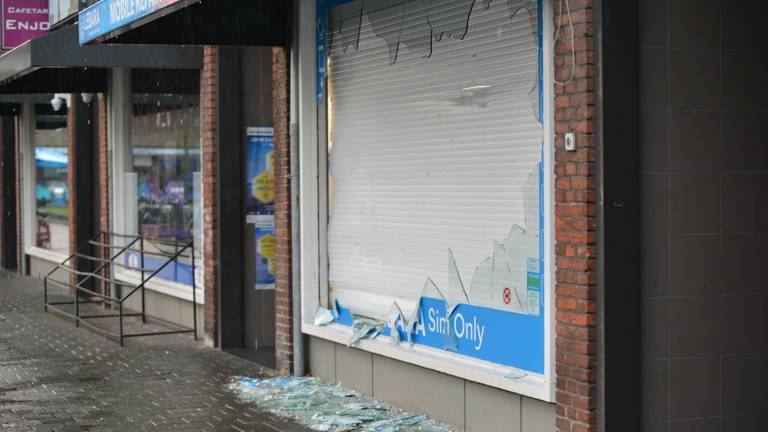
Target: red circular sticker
x=507 y=295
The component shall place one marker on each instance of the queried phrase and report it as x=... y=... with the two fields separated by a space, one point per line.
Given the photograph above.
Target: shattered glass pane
x=396 y=321
x=415 y=24
x=345 y=21
x=363 y=328
x=449 y=18
x=331 y=408
x=387 y=23
x=416 y=32
x=325 y=316
x=501 y=280
x=406 y=130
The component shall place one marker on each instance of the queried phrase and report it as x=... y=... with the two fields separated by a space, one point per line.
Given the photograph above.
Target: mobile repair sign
x=109 y=15
x=23 y=20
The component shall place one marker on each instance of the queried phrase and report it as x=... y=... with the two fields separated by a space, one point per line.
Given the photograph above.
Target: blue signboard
x=489 y=334
x=109 y=15
x=173 y=272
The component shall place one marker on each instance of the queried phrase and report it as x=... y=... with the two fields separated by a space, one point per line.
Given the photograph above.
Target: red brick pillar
x=283 y=276
x=103 y=180
x=575 y=209
x=208 y=109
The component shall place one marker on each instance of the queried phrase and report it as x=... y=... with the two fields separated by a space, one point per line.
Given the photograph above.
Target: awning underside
x=57 y=80
x=210 y=22
x=56 y=63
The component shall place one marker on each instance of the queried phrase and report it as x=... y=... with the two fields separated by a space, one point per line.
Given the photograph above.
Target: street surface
x=57 y=377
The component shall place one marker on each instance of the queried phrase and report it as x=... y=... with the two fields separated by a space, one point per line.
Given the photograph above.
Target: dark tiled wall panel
x=704 y=176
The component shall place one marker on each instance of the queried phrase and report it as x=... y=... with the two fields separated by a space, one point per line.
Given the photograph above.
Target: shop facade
x=426 y=193
x=433 y=175
x=516 y=212
x=85 y=122
x=243 y=163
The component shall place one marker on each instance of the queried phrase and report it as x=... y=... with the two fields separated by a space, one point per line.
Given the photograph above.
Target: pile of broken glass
x=328 y=408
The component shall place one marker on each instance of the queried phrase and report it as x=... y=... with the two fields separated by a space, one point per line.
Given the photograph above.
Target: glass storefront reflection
x=51 y=187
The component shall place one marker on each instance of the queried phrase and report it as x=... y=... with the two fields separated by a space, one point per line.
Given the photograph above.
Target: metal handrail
x=154 y=253
x=80 y=249
x=103 y=240
x=102 y=260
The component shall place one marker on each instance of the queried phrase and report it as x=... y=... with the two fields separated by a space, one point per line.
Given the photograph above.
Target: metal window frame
x=313 y=253
x=619 y=310
x=119 y=130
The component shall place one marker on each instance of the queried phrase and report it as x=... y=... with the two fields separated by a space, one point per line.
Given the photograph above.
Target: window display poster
x=265 y=258
x=260 y=171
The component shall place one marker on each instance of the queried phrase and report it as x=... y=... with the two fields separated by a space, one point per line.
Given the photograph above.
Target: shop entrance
x=257 y=191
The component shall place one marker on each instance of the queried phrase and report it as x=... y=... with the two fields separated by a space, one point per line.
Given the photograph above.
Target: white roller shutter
x=434 y=151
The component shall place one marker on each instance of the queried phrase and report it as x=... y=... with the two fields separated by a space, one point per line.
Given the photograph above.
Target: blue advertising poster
x=109 y=15
x=265 y=254
x=260 y=171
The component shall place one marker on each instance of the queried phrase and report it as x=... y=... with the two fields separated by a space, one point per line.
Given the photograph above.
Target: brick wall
x=208 y=108
x=575 y=210
x=283 y=292
x=104 y=183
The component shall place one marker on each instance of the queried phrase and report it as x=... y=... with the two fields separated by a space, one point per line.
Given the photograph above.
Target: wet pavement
x=57 y=377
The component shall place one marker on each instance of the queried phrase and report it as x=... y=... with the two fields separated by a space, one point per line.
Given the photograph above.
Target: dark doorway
x=247 y=231
x=258 y=280
x=8 y=136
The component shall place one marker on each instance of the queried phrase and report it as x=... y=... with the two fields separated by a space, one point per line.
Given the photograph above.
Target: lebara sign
x=109 y=15
x=23 y=20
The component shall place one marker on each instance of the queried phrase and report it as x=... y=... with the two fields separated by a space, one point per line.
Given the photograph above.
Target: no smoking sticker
x=507 y=296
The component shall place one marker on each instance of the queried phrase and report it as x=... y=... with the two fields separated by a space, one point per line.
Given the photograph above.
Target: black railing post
x=104 y=288
x=143 y=301
x=77 y=306
x=194 y=289
x=120 y=306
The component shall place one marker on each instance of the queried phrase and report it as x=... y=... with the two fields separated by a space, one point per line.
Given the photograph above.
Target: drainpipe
x=299 y=367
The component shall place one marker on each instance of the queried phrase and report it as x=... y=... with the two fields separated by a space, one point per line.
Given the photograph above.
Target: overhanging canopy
x=11 y=104
x=187 y=22
x=56 y=63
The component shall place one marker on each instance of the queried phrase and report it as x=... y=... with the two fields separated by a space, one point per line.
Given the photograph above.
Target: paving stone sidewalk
x=56 y=377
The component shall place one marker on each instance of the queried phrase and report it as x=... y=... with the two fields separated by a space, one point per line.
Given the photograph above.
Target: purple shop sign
x=23 y=20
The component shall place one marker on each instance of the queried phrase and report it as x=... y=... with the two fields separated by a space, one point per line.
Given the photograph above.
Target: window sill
x=172 y=289
x=532 y=385
x=45 y=254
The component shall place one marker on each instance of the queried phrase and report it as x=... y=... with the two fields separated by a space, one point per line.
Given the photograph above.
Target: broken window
x=435 y=160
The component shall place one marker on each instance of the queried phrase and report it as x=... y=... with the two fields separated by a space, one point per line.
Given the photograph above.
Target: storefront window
x=163 y=182
x=60 y=9
x=51 y=188
x=438 y=214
